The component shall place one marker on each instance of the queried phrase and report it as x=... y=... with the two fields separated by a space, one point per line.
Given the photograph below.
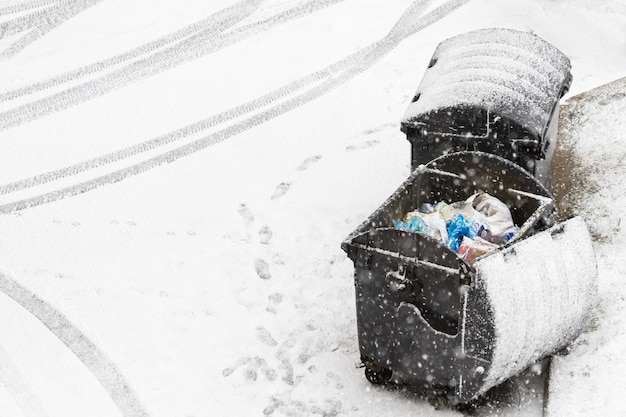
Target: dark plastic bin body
x=491 y=90
x=423 y=313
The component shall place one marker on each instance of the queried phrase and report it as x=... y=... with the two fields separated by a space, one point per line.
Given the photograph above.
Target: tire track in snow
x=189 y=130
x=256 y=104
x=186 y=131
x=189 y=49
x=214 y=23
x=40 y=23
x=86 y=351
x=26 y=5
x=32 y=20
x=363 y=59
x=20 y=390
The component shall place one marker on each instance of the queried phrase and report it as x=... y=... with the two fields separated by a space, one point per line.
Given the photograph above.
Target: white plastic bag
x=496 y=213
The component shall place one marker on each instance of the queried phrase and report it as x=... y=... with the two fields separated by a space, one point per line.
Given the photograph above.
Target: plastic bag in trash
x=471 y=228
x=458 y=228
x=497 y=215
x=436 y=226
x=470 y=249
x=412 y=223
x=448 y=211
x=429 y=223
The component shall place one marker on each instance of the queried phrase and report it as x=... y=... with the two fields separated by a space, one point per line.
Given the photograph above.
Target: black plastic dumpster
x=491 y=90
x=425 y=316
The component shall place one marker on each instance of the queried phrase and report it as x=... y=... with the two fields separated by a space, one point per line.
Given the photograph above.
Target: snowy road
x=327 y=79
x=215 y=284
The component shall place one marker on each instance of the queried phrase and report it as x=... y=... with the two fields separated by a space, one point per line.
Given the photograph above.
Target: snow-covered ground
x=193 y=267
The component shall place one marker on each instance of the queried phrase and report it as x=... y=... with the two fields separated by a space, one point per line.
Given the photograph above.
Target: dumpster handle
x=398 y=282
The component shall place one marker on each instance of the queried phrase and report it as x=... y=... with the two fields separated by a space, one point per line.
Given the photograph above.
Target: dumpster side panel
x=542 y=291
x=376 y=322
x=408 y=310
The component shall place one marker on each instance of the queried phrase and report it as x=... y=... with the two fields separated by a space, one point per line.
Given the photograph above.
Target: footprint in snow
x=379 y=128
x=289 y=407
x=273 y=301
x=265 y=235
x=252 y=366
x=274 y=404
x=281 y=189
x=306 y=164
x=245 y=213
x=261 y=364
x=265 y=336
x=240 y=362
x=363 y=145
x=262 y=269
x=287 y=372
x=258 y=364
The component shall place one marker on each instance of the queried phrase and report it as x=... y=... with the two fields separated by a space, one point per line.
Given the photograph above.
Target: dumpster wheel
x=442 y=397
x=376 y=374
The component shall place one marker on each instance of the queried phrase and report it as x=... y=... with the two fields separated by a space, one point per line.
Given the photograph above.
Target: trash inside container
x=426 y=316
x=490 y=90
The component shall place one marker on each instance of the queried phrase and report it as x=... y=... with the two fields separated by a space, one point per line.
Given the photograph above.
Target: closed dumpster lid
x=513 y=74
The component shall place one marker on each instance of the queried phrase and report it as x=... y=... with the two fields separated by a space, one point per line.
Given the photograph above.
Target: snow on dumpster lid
x=513 y=74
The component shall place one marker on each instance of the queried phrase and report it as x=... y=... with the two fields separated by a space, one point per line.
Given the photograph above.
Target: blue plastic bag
x=413 y=224
x=458 y=227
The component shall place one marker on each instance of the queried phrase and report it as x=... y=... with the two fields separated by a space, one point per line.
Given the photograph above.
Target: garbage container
x=426 y=316
x=490 y=90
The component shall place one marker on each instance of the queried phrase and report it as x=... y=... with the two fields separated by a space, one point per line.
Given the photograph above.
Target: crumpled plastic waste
x=471 y=228
x=436 y=226
x=470 y=249
x=429 y=223
x=412 y=223
x=448 y=211
x=460 y=227
x=497 y=215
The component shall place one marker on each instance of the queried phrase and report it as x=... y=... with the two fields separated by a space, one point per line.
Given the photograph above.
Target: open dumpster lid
x=512 y=74
x=529 y=300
